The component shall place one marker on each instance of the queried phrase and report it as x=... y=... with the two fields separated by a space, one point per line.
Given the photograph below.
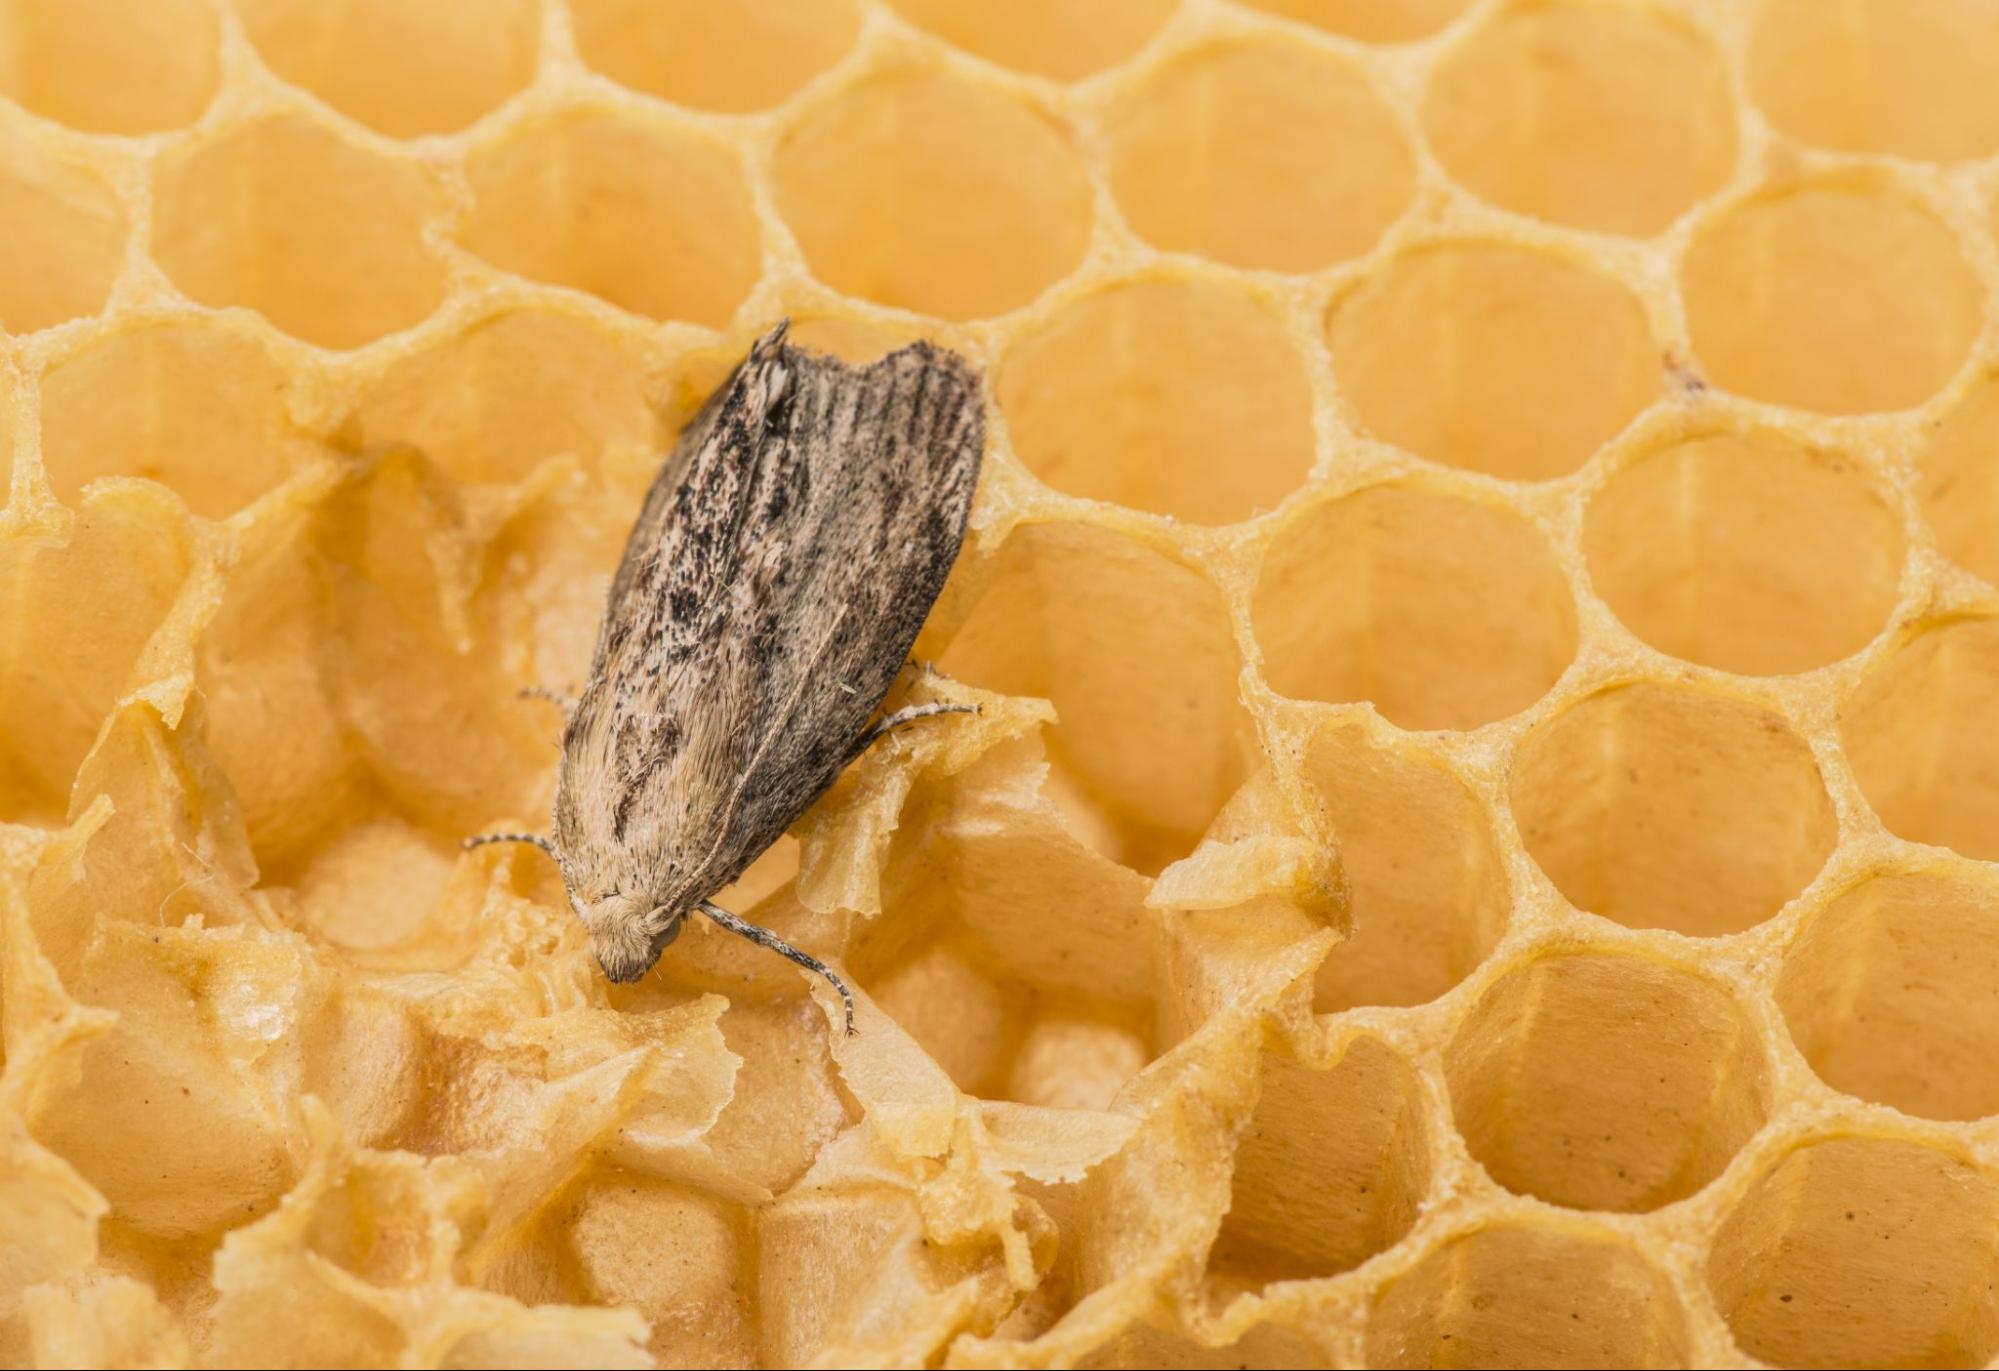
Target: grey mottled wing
x=773 y=585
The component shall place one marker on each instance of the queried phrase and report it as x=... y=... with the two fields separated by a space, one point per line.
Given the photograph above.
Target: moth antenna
x=565 y=703
x=763 y=937
x=531 y=839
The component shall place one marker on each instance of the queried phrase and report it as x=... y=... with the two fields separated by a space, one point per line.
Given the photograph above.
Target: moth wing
x=784 y=562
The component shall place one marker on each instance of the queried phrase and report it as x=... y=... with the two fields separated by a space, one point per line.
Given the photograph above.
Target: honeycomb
x=1478 y=848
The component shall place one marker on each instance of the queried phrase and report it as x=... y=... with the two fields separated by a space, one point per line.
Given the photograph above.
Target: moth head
x=627 y=933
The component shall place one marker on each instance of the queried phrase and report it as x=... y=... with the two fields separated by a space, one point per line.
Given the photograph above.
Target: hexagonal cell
x=1749 y=552
x=370 y=887
x=369 y=1219
x=404 y=67
x=1915 y=78
x=927 y=193
x=1258 y=153
x=1500 y=359
x=110 y=66
x=407 y=658
x=1959 y=489
x=1022 y=963
x=1892 y=992
x=1839 y=297
x=1046 y=37
x=1330 y=1169
x=163 y=1053
x=270 y=722
x=490 y=402
x=1991 y=199
x=8 y=414
x=194 y=404
x=1142 y=1348
x=654 y=219
x=1922 y=733
x=27 y=801
x=1863 y=1251
x=1429 y=889
x=1611 y=119
x=727 y=55
x=321 y=237
x=1133 y=648
x=1523 y=1294
x=856 y=341
x=65 y=239
x=1369 y=20
x=65 y=670
x=788 y=1103
x=1667 y=807
x=683 y=1259
x=1444 y=612
x=1179 y=396
x=1605 y=1081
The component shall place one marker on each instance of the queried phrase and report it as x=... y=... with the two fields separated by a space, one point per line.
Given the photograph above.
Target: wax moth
x=784 y=559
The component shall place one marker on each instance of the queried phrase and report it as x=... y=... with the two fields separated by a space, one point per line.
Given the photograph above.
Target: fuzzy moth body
x=785 y=557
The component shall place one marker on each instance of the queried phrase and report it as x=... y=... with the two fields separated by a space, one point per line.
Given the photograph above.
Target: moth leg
x=531 y=839
x=763 y=937
x=565 y=703
x=888 y=723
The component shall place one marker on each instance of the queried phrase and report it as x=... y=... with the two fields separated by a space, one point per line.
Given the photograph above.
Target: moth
x=784 y=559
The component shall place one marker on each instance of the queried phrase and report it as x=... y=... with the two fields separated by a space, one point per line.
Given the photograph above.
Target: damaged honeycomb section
x=1429 y=891
x=1150 y=738
x=1476 y=844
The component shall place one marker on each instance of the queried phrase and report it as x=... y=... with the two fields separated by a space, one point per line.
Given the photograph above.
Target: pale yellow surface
x=1479 y=846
